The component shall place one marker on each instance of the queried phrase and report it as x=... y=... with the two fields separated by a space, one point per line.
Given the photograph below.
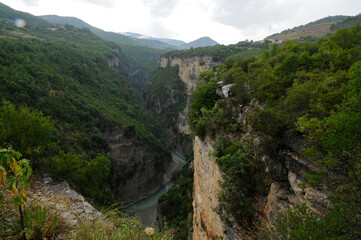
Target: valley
x=197 y=140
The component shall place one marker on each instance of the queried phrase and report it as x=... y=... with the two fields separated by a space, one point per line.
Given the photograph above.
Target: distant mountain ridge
x=318 y=28
x=173 y=42
x=131 y=38
x=111 y=36
x=201 y=42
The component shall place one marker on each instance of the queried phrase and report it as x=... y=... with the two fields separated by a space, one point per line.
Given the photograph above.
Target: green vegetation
x=301 y=223
x=176 y=204
x=17 y=182
x=30 y=132
x=110 y=36
x=244 y=178
x=39 y=224
x=220 y=52
x=83 y=85
x=25 y=130
x=317 y=29
x=346 y=23
x=309 y=88
x=8 y=16
x=116 y=225
x=166 y=92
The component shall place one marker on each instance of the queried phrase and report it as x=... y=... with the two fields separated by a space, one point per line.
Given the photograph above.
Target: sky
x=225 y=21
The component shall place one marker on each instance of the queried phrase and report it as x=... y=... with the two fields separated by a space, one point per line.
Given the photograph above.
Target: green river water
x=153 y=199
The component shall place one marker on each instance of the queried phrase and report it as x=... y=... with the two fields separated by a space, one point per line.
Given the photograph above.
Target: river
x=152 y=201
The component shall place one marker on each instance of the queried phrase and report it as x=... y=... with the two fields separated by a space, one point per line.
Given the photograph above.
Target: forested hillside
x=110 y=36
x=303 y=89
x=85 y=87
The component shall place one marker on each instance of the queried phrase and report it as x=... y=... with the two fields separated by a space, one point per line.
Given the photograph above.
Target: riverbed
x=146 y=209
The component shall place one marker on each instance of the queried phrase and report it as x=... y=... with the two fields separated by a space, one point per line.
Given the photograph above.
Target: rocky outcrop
x=189 y=70
x=207 y=222
x=62 y=201
x=224 y=91
x=211 y=221
x=138 y=170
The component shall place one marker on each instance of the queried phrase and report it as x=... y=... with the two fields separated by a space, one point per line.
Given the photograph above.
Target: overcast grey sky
x=226 y=21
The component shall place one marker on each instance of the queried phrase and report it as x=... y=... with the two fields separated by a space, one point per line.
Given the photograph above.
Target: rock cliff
x=189 y=70
x=62 y=201
x=211 y=220
x=207 y=222
x=138 y=170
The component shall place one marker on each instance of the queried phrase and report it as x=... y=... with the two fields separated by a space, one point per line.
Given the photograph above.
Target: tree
x=17 y=180
x=27 y=131
x=335 y=143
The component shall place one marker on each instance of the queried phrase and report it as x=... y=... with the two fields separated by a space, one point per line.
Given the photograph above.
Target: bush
x=244 y=177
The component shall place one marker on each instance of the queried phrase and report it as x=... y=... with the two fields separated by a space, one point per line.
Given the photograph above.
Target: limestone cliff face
x=138 y=169
x=207 y=223
x=210 y=219
x=189 y=70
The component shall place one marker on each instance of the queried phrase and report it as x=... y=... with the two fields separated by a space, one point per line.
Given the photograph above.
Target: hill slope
x=111 y=36
x=314 y=29
x=84 y=83
x=201 y=42
x=173 y=42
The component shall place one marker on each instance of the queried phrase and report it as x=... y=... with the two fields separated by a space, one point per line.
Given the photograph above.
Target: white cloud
x=30 y=2
x=104 y=3
x=161 y=8
x=226 y=21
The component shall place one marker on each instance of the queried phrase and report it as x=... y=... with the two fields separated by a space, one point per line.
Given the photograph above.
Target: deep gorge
x=219 y=142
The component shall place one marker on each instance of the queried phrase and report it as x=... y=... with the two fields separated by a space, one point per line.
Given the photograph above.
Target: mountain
x=201 y=42
x=347 y=23
x=111 y=36
x=8 y=16
x=173 y=42
x=178 y=44
x=316 y=29
x=131 y=38
x=86 y=85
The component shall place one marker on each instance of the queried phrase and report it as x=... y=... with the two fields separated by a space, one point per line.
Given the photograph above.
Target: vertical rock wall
x=211 y=220
x=189 y=70
x=137 y=168
x=207 y=223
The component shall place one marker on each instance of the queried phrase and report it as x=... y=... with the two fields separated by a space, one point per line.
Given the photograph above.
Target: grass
x=115 y=225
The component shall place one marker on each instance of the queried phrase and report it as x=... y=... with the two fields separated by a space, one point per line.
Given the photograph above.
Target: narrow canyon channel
x=146 y=209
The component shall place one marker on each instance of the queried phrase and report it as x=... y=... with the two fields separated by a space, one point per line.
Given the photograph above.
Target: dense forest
x=67 y=75
x=309 y=89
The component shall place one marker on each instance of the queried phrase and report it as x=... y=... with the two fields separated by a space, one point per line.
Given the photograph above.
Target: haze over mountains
x=132 y=38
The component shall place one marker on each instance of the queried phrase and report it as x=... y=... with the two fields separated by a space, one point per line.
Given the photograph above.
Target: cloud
x=260 y=14
x=161 y=8
x=156 y=28
x=103 y=3
x=30 y=3
x=245 y=13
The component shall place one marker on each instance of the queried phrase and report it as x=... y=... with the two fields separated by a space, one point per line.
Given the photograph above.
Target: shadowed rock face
x=210 y=219
x=137 y=168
